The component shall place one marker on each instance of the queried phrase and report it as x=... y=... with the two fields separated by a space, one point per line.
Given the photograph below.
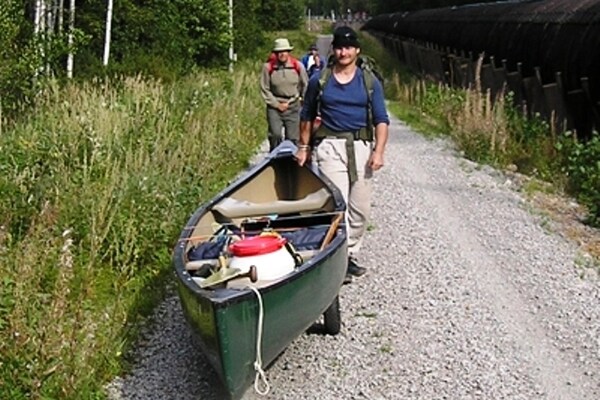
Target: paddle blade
x=221 y=276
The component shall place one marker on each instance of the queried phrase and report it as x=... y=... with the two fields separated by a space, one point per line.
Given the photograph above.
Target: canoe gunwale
x=225 y=297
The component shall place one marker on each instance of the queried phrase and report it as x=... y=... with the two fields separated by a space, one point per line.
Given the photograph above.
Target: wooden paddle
x=331 y=230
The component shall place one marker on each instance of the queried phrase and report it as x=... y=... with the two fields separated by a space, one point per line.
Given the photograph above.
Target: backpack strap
x=323 y=79
x=368 y=79
x=274 y=64
x=295 y=64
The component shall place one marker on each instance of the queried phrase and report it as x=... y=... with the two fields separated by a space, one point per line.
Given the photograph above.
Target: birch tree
x=39 y=28
x=38 y=17
x=50 y=31
x=59 y=16
x=70 y=40
x=109 y=10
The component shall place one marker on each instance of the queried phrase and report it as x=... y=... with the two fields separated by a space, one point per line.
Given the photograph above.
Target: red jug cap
x=257 y=245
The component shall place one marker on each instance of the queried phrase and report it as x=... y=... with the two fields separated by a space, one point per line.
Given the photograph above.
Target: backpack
x=367 y=63
x=370 y=73
x=273 y=64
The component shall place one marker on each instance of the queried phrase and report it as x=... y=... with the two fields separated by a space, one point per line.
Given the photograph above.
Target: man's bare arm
x=381 y=137
x=303 y=153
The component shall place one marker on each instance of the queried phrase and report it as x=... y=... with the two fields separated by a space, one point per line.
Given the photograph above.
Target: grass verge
x=95 y=187
x=94 y=190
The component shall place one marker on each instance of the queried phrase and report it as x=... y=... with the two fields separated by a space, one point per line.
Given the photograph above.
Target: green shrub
x=281 y=14
x=581 y=164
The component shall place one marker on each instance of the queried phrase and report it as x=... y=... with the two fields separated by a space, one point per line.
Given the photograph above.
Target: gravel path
x=467 y=297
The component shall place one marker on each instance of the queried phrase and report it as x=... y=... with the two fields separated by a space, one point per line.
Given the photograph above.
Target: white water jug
x=268 y=253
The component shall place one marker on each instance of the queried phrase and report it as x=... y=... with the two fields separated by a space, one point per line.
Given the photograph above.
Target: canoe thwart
x=233 y=208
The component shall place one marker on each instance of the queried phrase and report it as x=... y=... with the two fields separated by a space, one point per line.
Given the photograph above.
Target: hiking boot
x=354 y=269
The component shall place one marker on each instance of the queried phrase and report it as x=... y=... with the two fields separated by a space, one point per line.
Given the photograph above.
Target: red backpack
x=274 y=64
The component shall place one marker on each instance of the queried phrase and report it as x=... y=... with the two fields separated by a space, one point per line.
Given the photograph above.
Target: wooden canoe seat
x=234 y=208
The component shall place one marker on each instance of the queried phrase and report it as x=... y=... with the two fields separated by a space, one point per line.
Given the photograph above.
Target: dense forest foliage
x=83 y=39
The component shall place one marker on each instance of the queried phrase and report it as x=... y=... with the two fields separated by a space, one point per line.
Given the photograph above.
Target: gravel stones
x=466 y=297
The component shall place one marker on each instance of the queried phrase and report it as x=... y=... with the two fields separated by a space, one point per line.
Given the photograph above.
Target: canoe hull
x=227 y=332
x=226 y=320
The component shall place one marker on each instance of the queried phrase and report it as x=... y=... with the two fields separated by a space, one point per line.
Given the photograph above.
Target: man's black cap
x=345 y=37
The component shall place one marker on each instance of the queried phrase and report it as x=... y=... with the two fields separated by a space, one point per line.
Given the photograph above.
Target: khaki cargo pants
x=330 y=156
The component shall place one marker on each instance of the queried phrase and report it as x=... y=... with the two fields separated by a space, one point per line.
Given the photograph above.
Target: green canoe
x=242 y=326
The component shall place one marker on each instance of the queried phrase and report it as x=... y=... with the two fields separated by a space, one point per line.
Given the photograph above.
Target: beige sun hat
x=282 y=44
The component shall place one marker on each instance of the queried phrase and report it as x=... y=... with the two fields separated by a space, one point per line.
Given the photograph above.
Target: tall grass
x=481 y=122
x=94 y=189
x=487 y=129
x=482 y=126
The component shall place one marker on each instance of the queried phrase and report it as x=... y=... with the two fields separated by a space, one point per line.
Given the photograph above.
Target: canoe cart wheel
x=332 y=318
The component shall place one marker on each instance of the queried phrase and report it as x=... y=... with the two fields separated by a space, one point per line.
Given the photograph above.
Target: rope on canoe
x=260 y=373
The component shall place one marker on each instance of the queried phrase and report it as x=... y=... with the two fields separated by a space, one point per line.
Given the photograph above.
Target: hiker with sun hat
x=282 y=85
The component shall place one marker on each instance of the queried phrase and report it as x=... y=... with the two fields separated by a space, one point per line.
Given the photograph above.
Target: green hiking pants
x=283 y=125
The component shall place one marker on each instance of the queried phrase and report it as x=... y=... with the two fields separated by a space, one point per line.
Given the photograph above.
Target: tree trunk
x=108 y=31
x=37 y=19
x=61 y=5
x=50 y=15
x=231 y=53
x=39 y=29
x=70 y=39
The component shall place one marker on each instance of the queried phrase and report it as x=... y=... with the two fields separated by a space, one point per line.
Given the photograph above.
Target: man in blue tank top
x=349 y=144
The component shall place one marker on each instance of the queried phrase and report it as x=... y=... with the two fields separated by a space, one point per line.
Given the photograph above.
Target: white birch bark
x=43 y=9
x=231 y=53
x=39 y=28
x=108 y=32
x=37 y=17
x=61 y=5
x=70 y=38
x=50 y=11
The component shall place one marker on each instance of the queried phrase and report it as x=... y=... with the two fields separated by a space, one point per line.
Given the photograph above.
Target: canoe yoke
x=233 y=208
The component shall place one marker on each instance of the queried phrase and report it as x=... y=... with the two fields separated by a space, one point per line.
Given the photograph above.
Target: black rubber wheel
x=332 y=318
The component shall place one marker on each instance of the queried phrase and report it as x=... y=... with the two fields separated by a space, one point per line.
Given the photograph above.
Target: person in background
x=317 y=66
x=349 y=144
x=308 y=58
x=282 y=84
